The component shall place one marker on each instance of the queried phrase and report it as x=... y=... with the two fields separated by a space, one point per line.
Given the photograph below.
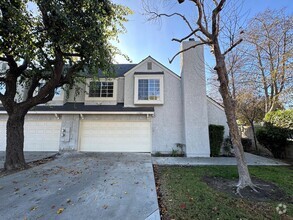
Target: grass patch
x=185 y=195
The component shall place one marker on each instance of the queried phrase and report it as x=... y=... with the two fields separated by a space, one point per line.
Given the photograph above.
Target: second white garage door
x=99 y=136
x=41 y=135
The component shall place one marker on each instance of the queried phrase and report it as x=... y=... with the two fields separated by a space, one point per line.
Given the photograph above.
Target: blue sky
x=145 y=38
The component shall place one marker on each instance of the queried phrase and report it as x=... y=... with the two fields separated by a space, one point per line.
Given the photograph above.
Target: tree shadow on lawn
x=267 y=191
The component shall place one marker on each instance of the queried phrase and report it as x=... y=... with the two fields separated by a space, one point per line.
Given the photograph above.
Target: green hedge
x=274 y=139
x=216 y=133
x=247 y=144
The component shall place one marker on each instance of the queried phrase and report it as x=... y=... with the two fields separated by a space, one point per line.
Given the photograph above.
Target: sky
x=144 y=38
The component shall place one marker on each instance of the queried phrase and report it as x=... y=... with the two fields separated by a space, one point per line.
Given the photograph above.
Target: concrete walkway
x=79 y=185
x=184 y=161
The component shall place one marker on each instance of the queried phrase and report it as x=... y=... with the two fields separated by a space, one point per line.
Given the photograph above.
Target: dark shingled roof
x=81 y=107
x=121 y=69
x=118 y=71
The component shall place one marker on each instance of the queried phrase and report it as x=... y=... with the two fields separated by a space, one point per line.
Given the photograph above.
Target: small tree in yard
x=249 y=109
x=37 y=44
x=207 y=29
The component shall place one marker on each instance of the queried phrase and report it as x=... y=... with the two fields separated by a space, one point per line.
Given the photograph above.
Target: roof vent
x=191 y=39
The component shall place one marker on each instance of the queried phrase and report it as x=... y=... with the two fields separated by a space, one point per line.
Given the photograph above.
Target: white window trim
x=114 y=98
x=147 y=102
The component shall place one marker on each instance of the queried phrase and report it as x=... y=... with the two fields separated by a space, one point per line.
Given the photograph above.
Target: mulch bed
x=29 y=165
x=267 y=191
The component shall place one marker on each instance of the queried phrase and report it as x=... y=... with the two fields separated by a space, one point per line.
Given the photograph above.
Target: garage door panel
x=38 y=135
x=41 y=135
x=115 y=136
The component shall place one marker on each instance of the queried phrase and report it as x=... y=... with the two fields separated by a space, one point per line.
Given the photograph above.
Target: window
x=101 y=89
x=148 y=89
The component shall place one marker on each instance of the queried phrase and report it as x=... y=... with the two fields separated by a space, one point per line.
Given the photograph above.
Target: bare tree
x=207 y=29
x=269 y=42
x=250 y=109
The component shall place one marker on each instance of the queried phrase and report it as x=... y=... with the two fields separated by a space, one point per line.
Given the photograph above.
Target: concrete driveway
x=82 y=186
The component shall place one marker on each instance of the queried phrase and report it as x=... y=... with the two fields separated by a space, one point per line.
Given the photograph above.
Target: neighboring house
x=146 y=108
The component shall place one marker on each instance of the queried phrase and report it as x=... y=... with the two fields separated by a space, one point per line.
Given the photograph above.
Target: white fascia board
x=215 y=103
x=84 y=113
x=158 y=63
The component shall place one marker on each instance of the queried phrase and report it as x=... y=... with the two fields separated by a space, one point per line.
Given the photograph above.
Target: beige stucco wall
x=167 y=125
x=76 y=94
x=120 y=90
x=216 y=115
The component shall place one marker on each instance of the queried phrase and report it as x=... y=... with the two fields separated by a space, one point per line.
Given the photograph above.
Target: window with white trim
x=148 y=89
x=101 y=89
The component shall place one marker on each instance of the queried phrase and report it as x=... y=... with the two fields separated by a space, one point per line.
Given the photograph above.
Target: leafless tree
x=250 y=108
x=269 y=44
x=209 y=29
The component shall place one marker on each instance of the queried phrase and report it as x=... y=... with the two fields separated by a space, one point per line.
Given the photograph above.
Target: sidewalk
x=252 y=160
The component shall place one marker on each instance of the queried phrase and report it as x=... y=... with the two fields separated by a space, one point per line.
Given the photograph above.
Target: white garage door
x=98 y=136
x=38 y=135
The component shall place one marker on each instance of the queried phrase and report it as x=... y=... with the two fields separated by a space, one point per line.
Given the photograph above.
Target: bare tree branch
x=189 y=35
x=199 y=20
x=234 y=45
x=157 y=15
x=215 y=18
x=204 y=16
x=186 y=49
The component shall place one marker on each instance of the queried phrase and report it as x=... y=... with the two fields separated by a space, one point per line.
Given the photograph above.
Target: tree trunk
x=14 y=142
x=229 y=104
x=254 y=137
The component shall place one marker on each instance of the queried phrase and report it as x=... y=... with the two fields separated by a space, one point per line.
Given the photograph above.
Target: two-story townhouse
x=145 y=108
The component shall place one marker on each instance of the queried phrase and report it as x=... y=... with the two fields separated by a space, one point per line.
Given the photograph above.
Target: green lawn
x=186 y=196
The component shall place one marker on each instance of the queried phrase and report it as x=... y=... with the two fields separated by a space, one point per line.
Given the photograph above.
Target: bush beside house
x=274 y=139
x=216 y=133
x=278 y=128
x=247 y=144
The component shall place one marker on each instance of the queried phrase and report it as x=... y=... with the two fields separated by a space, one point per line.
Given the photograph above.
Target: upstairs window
x=148 y=89
x=101 y=89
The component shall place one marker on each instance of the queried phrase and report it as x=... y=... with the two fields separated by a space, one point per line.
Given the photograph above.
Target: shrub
x=247 y=144
x=216 y=133
x=280 y=118
x=274 y=139
x=227 y=146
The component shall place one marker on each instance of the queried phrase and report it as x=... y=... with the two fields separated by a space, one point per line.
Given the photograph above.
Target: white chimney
x=195 y=114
